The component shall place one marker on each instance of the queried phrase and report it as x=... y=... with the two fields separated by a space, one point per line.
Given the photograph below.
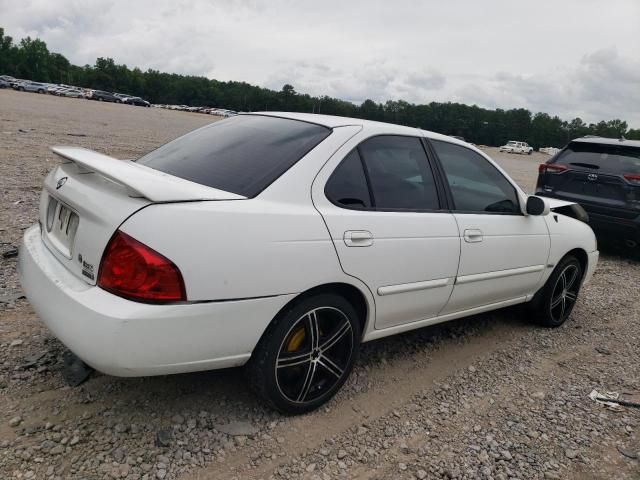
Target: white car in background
x=516 y=147
x=283 y=241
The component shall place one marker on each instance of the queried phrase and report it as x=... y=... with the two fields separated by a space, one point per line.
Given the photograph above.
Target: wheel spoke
x=556 y=302
x=563 y=279
x=571 y=296
x=313 y=329
x=293 y=360
x=329 y=365
x=337 y=336
x=308 y=381
x=564 y=305
x=573 y=277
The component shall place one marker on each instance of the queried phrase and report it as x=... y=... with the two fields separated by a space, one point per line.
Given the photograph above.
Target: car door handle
x=473 y=235
x=358 y=238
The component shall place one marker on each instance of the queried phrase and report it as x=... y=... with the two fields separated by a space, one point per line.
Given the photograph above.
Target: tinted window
x=609 y=158
x=243 y=154
x=476 y=185
x=399 y=172
x=347 y=186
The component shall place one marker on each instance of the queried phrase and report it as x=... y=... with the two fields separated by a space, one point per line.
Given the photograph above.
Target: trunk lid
x=87 y=198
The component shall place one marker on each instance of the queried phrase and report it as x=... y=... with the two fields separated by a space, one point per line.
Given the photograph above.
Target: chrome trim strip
x=479 y=277
x=412 y=287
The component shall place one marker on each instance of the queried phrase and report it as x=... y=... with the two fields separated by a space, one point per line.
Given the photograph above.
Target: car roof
x=607 y=141
x=333 y=121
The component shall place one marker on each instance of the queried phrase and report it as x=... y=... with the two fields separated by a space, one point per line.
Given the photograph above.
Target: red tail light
x=132 y=270
x=552 y=167
x=632 y=178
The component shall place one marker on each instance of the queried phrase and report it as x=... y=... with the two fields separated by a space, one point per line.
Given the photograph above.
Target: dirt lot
x=489 y=397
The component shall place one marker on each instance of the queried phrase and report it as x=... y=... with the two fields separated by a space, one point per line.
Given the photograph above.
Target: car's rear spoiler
x=141 y=181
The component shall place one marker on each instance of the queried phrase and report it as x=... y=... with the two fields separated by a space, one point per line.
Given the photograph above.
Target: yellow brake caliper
x=295 y=340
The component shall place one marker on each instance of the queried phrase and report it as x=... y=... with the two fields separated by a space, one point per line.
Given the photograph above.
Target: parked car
x=29 y=86
x=204 y=255
x=4 y=83
x=136 y=101
x=72 y=92
x=103 y=96
x=516 y=147
x=603 y=175
x=121 y=97
x=16 y=82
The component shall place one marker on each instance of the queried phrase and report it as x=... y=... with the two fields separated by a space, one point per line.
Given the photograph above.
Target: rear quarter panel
x=240 y=248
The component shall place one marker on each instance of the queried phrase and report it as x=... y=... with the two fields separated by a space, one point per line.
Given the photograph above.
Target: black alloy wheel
x=306 y=354
x=554 y=302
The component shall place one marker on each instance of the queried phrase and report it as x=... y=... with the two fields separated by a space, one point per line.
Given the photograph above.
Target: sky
x=571 y=58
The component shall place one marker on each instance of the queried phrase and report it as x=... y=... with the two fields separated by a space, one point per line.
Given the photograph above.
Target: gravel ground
x=488 y=397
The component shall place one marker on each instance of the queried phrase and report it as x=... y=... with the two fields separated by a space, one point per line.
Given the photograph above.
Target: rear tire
x=306 y=354
x=553 y=303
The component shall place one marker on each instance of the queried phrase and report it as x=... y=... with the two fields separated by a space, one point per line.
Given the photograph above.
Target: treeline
x=31 y=59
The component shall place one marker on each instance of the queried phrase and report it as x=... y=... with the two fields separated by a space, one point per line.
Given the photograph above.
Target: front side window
x=476 y=185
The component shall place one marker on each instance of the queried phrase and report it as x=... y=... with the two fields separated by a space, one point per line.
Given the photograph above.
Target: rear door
x=382 y=206
x=503 y=252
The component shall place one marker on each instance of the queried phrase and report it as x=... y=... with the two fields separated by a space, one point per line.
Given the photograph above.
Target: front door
x=503 y=252
x=382 y=208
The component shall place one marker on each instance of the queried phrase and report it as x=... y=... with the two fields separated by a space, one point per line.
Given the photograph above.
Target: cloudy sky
x=565 y=57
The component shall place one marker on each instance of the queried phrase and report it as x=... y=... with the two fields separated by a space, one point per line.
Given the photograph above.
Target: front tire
x=553 y=304
x=306 y=354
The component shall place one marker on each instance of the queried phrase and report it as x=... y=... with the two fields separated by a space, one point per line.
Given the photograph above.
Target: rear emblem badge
x=61 y=182
x=592 y=176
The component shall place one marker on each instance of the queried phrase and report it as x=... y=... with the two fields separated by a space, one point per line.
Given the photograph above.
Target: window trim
x=443 y=206
x=447 y=187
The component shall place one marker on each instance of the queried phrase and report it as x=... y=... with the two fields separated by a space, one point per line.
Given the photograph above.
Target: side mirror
x=537 y=206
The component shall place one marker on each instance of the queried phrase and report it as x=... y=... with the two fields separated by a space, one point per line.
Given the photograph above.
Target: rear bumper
x=124 y=338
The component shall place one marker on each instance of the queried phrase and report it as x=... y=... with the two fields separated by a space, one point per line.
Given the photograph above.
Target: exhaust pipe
x=631 y=243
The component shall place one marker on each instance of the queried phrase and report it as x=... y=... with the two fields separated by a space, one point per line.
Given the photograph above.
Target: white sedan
x=283 y=241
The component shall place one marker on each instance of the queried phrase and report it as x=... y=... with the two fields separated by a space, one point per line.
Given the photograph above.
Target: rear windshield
x=242 y=155
x=607 y=158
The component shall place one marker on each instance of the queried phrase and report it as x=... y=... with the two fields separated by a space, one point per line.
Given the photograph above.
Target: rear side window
x=242 y=155
x=385 y=173
x=476 y=185
x=616 y=159
x=399 y=172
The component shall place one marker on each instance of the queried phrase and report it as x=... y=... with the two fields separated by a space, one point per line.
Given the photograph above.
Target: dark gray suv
x=602 y=175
